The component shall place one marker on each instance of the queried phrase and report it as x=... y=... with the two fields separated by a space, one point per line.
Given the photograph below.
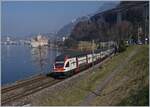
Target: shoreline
x=21 y=81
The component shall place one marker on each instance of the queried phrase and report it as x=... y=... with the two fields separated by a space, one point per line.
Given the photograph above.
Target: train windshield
x=59 y=64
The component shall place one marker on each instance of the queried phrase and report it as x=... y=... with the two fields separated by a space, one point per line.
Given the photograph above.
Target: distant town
x=36 y=41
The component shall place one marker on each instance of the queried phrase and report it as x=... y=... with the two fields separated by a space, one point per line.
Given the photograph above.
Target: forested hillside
x=105 y=26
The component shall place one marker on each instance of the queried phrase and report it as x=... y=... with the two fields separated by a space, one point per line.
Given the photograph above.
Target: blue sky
x=24 y=18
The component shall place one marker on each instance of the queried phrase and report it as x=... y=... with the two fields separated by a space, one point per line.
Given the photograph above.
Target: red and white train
x=73 y=62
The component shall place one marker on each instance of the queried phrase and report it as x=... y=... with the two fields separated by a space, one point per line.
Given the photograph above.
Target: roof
x=71 y=54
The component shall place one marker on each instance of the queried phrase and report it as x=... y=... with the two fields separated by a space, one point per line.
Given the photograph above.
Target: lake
x=21 y=61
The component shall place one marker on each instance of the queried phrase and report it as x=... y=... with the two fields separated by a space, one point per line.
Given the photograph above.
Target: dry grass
x=129 y=81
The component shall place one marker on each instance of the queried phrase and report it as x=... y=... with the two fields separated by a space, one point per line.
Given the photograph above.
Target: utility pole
x=92 y=53
x=139 y=32
x=145 y=37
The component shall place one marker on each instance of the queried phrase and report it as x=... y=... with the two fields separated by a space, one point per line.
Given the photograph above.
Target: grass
x=130 y=84
x=139 y=66
x=127 y=81
x=140 y=98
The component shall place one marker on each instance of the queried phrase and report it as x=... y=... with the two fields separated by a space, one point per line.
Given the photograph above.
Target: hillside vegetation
x=105 y=27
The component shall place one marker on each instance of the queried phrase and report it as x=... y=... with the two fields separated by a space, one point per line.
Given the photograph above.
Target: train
x=69 y=63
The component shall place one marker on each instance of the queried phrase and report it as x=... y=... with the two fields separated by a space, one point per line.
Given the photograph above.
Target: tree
x=70 y=43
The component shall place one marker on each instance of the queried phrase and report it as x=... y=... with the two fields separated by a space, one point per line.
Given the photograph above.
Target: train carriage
x=69 y=63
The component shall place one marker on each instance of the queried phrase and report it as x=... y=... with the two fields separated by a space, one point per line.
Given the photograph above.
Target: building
x=8 y=39
x=64 y=38
x=107 y=44
x=86 y=46
x=39 y=41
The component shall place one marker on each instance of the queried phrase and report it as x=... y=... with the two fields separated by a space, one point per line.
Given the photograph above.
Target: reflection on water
x=8 y=51
x=39 y=57
x=20 y=62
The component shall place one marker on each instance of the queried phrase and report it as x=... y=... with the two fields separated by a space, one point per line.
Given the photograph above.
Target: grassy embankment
x=128 y=87
x=131 y=85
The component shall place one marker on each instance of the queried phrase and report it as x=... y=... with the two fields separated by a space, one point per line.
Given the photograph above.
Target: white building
x=64 y=38
x=39 y=41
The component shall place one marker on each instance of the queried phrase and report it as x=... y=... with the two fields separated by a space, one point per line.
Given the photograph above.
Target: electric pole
x=145 y=38
x=92 y=53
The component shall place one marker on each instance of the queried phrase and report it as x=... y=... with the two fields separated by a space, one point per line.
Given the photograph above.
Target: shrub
x=121 y=46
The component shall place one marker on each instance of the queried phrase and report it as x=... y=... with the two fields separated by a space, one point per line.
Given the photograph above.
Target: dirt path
x=92 y=95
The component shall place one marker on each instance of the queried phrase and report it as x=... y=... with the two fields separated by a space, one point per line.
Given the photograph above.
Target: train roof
x=71 y=54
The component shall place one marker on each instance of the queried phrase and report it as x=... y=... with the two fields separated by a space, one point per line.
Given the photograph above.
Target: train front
x=59 y=66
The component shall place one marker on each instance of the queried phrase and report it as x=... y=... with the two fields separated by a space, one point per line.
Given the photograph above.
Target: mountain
x=107 y=5
x=106 y=25
x=66 y=30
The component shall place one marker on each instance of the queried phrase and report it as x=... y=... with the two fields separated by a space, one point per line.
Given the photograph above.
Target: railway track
x=22 y=83
x=28 y=88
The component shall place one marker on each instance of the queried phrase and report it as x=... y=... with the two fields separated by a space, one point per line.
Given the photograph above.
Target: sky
x=22 y=18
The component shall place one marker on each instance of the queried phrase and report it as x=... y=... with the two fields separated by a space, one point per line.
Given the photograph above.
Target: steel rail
x=29 y=91
x=23 y=83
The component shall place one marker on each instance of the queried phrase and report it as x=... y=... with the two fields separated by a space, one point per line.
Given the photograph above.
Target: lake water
x=21 y=61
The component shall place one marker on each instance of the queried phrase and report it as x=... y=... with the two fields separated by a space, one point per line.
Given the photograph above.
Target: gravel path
x=92 y=95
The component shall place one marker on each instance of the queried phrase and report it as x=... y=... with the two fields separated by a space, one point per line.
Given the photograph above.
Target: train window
x=73 y=63
x=67 y=65
x=59 y=64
